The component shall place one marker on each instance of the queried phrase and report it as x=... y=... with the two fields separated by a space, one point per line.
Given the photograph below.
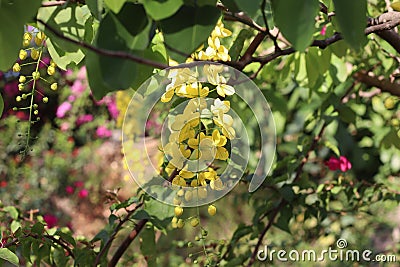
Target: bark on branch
x=381 y=83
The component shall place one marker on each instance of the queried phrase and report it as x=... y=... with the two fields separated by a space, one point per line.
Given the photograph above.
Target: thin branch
x=107 y=245
x=381 y=83
x=133 y=234
x=127 y=241
x=62 y=244
x=105 y=52
x=271 y=220
x=283 y=202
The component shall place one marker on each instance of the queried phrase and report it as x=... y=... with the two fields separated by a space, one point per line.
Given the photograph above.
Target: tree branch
x=116 y=230
x=133 y=234
x=105 y=52
x=381 y=83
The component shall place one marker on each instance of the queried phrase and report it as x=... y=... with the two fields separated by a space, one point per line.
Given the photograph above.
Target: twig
x=105 y=52
x=116 y=230
x=127 y=241
x=283 y=202
x=381 y=83
x=133 y=234
x=62 y=244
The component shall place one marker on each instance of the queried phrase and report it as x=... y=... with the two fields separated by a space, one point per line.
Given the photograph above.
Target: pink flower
x=83 y=193
x=84 y=119
x=64 y=126
x=78 y=87
x=79 y=184
x=81 y=74
x=112 y=108
x=323 y=30
x=63 y=109
x=71 y=98
x=103 y=132
x=69 y=189
x=342 y=163
x=50 y=220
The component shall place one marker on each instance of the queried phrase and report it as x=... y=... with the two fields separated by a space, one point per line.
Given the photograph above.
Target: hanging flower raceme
x=200 y=133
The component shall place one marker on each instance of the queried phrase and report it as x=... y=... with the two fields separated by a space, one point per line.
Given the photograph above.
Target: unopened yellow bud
x=180 y=223
x=40 y=36
x=194 y=222
x=212 y=210
x=51 y=70
x=22 y=54
x=16 y=67
x=22 y=79
x=35 y=54
x=53 y=86
x=21 y=86
x=178 y=211
x=45 y=99
x=36 y=75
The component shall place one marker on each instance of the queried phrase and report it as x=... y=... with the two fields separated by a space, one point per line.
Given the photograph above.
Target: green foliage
x=321 y=111
x=9 y=256
x=296 y=20
x=15 y=15
x=352 y=17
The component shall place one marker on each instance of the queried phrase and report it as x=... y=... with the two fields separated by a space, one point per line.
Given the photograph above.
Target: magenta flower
x=50 y=220
x=323 y=30
x=83 y=193
x=69 y=189
x=78 y=87
x=79 y=184
x=103 y=132
x=341 y=163
x=112 y=109
x=63 y=109
x=84 y=119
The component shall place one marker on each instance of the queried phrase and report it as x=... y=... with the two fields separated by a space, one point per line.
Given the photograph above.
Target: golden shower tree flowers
x=225 y=121
x=192 y=90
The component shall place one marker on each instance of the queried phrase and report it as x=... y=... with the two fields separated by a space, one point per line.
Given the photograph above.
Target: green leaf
x=12 y=211
x=238 y=44
x=95 y=7
x=1 y=105
x=13 y=16
x=185 y=31
x=352 y=19
x=115 y=33
x=38 y=228
x=74 y=22
x=284 y=218
x=296 y=20
x=148 y=245
x=161 y=9
x=9 y=256
x=114 y=5
x=250 y=7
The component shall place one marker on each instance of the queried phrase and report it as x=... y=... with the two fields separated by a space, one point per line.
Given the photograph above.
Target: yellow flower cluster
x=193 y=146
x=215 y=50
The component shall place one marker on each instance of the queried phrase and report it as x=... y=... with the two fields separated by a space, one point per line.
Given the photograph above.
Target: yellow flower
x=192 y=90
x=212 y=72
x=167 y=96
x=216 y=184
x=179 y=153
x=225 y=121
x=220 y=107
x=202 y=146
x=219 y=141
